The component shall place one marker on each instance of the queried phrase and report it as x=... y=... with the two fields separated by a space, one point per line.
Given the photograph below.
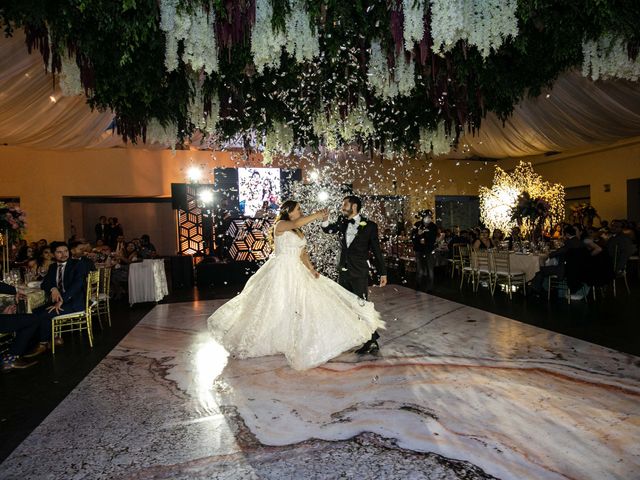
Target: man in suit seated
x=572 y=248
x=65 y=284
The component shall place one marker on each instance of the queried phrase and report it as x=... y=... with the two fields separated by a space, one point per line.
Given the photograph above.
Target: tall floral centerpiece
x=531 y=214
x=12 y=225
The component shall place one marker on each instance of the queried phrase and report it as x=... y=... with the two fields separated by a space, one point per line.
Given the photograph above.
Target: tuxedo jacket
x=354 y=257
x=74 y=281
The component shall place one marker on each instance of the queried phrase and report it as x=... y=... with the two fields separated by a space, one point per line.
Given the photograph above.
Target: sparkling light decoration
x=497 y=202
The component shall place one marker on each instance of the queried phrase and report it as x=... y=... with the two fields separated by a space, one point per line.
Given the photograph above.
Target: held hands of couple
x=323 y=214
x=383 y=281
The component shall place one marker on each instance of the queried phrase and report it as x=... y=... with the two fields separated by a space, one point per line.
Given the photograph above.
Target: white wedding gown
x=285 y=309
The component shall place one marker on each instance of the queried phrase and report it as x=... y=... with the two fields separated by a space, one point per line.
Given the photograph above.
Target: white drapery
x=577 y=113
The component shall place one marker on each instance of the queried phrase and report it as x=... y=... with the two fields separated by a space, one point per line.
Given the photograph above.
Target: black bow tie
x=352 y=221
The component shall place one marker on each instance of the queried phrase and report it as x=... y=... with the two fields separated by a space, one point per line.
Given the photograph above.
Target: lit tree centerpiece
x=521 y=198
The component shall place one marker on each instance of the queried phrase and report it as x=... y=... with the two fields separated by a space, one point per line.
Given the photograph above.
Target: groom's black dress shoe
x=371 y=347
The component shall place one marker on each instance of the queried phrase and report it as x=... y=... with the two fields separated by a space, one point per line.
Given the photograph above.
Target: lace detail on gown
x=284 y=309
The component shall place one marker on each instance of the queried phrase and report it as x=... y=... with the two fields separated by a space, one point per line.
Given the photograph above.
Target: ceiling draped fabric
x=576 y=113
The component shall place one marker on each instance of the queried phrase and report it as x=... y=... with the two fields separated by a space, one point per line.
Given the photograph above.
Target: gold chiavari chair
x=78 y=321
x=502 y=271
x=456 y=264
x=482 y=267
x=104 y=292
x=465 y=264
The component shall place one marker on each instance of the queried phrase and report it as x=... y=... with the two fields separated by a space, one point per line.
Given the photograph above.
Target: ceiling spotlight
x=52 y=98
x=206 y=196
x=194 y=174
x=323 y=196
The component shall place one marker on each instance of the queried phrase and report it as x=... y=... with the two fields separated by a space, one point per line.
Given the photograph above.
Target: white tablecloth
x=529 y=264
x=147 y=281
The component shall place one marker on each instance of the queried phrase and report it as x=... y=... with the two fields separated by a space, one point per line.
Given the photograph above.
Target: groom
x=358 y=236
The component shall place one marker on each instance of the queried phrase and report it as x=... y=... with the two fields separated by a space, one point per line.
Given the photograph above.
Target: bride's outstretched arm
x=304 y=256
x=284 y=225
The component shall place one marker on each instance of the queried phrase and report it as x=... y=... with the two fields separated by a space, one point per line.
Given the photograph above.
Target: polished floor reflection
x=455 y=393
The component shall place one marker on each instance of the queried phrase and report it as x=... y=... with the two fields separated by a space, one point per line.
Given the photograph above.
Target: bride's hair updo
x=285 y=209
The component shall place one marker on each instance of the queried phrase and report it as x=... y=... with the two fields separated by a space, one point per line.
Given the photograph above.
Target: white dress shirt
x=352 y=229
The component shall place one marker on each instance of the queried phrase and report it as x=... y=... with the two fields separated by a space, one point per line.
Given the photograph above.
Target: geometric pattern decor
x=250 y=239
x=190 y=235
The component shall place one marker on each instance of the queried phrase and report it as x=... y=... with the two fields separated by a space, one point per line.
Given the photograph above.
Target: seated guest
x=78 y=253
x=497 y=237
x=118 y=248
x=483 y=242
x=619 y=247
x=147 y=249
x=456 y=239
x=65 y=284
x=44 y=262
x=571 y=242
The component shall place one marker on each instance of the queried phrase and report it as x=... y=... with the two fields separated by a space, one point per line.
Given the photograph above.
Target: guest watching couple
x=65 y=284
x=483 y=242
x=423 y=236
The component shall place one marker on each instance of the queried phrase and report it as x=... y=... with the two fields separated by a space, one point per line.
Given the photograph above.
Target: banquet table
x=35 y=298
x=147 y=281
x=529 y=263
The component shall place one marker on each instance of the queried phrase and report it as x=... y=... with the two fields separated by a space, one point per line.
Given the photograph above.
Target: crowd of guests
x=590 y=256
x=61 y=269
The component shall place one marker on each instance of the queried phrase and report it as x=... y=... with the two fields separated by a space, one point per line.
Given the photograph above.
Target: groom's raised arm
x=374 y=244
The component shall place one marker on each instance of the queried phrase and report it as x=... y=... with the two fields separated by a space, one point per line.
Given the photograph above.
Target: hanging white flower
x=266 y=45
x=385 y=83
x=200 y=50
x=298 y=39
x=436 y=141
x=413 y=26
x=607 y=58
x=158 y=133
x=69 y=77
x=302 y=42
x=483 y=23
x=404 y=75
x=203 y=121
x=279 y=140
x=197 y=31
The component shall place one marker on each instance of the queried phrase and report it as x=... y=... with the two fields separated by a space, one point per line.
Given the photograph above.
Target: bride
x=288 y=307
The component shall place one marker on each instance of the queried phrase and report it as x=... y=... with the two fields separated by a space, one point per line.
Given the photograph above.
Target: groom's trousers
x=356 y=285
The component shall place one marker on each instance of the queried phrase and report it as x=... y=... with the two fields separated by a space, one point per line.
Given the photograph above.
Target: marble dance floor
x=455 y=393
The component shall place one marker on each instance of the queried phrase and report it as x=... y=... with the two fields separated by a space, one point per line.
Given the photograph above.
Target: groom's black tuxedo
x=353 y=269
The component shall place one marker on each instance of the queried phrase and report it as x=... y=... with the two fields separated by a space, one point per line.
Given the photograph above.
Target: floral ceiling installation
x=499 y=204
x=407 y=70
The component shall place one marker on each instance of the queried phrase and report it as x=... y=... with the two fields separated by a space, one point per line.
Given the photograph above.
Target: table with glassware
x=34 y=297
x=147 y=281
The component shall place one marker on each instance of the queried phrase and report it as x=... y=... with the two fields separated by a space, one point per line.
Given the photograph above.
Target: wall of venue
x=45 y=181
x=605 y=169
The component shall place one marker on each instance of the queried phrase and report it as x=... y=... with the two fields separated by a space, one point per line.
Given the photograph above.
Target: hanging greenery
x=406 y=67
